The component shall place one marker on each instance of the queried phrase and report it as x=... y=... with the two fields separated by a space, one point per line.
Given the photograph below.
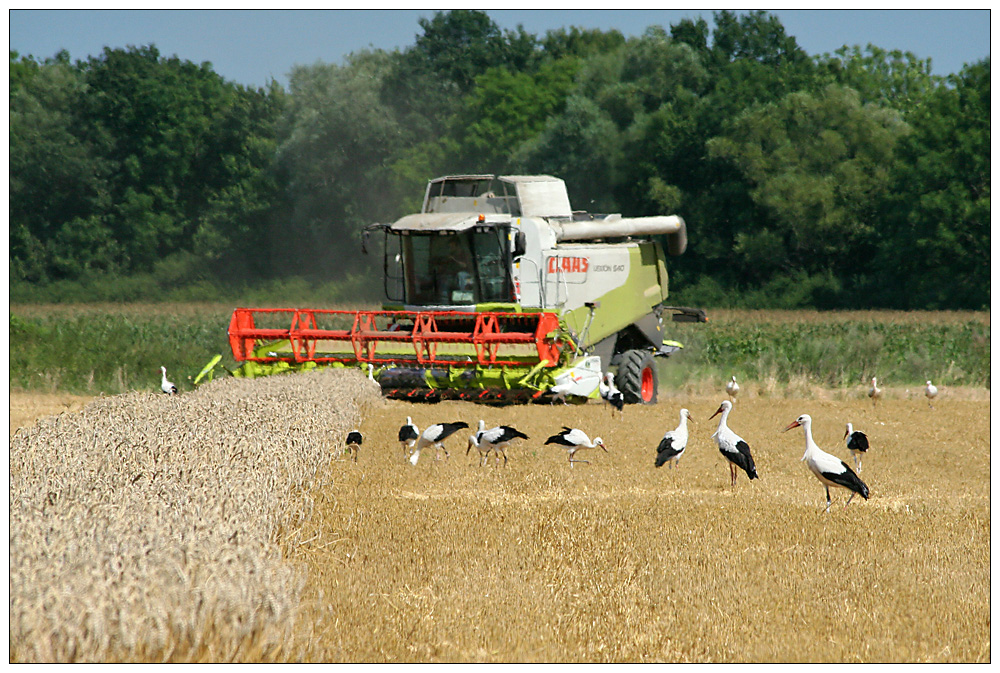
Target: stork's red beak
x=717 y=412
x=793 y=424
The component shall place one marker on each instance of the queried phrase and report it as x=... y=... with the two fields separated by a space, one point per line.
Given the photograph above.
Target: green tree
x=935 y=249
x=754 y=36
x=426 y=83
x=642 y=75
x=178 y=136
x=337 y=140
x=459 y=45
x=506 y=109
x=746 y=62
x=692 y=32
x=233 y=229
x=580 y=146
x=579 y=42
x=125 y=159
x=818 y=166
x=58 y=180
x=893 y=78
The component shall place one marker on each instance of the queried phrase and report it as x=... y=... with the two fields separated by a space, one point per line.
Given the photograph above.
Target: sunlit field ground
x=620 y=561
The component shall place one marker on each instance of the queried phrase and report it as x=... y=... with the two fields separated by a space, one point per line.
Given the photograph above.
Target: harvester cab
x=497 y=291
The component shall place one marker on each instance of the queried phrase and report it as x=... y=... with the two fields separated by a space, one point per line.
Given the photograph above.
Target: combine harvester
x=498 y=292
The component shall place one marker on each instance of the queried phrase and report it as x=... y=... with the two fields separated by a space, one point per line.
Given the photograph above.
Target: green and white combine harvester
x=497 y=291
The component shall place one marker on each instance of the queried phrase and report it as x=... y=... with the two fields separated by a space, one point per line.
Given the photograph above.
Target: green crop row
x=111 y=352
x=837 y=352
x=112 y=349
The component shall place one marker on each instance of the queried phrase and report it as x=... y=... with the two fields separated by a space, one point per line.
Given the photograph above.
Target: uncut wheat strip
x=138 y=515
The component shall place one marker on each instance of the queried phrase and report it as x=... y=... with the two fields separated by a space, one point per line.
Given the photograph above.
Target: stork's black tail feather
x=514 y=433
x=849 y=480
x=665 y=451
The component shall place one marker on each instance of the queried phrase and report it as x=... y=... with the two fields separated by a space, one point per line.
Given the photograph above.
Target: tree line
x=848 y=180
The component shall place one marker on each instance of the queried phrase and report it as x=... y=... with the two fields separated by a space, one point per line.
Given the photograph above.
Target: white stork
x=496 y=440
x=606 y=385
x=830 y=470
x=559 y=391
x=476 y=441
x=857 y=444
x=434 y=436
x=165 y=385
x=353 y=443
x=674 y=442
x=575 y=440
x=875 y=392
x=733 y=388
x=610 y=393
x=931 y=392
x=408 y=435
x=731 y=446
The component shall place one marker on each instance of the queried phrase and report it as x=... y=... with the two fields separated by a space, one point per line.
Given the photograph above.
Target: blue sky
x=253 y=46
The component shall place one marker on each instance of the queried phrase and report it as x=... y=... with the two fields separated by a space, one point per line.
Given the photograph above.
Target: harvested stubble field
x=617 y=560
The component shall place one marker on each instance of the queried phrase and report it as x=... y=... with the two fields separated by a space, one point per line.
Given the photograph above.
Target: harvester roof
x=428 y=222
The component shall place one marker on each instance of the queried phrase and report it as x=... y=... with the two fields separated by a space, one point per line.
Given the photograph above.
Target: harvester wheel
x=637 y=377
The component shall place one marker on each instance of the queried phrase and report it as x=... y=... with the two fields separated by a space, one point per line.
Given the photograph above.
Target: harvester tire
x=637 y=377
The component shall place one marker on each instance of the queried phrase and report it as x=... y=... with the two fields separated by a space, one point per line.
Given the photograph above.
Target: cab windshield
x=468 y=267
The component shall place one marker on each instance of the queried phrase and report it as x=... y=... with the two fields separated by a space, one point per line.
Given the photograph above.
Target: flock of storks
x=827 y=468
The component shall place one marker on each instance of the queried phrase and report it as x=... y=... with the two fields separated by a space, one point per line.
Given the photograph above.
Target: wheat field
x=612 y=561
x=618 y=561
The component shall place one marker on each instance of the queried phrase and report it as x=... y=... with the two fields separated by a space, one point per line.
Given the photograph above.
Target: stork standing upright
x=575 y=440
x=732 y=447
x=408 y=435
x=875 y=392
x=610 y=393
x=165 y=385
x=857 y=444
x=931 y=392
x=606 y=385
x=434 y=435
x=830 y=470
x=353 y=443
x=733 y=388
x=674 y=442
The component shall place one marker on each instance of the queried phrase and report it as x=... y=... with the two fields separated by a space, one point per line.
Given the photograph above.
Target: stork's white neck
x=810 y=444
x=725 y=416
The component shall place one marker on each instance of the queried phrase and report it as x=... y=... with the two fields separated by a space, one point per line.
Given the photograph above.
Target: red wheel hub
x=647 y=384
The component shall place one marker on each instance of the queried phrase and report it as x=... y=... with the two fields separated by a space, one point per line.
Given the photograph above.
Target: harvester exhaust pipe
x=615 y=226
